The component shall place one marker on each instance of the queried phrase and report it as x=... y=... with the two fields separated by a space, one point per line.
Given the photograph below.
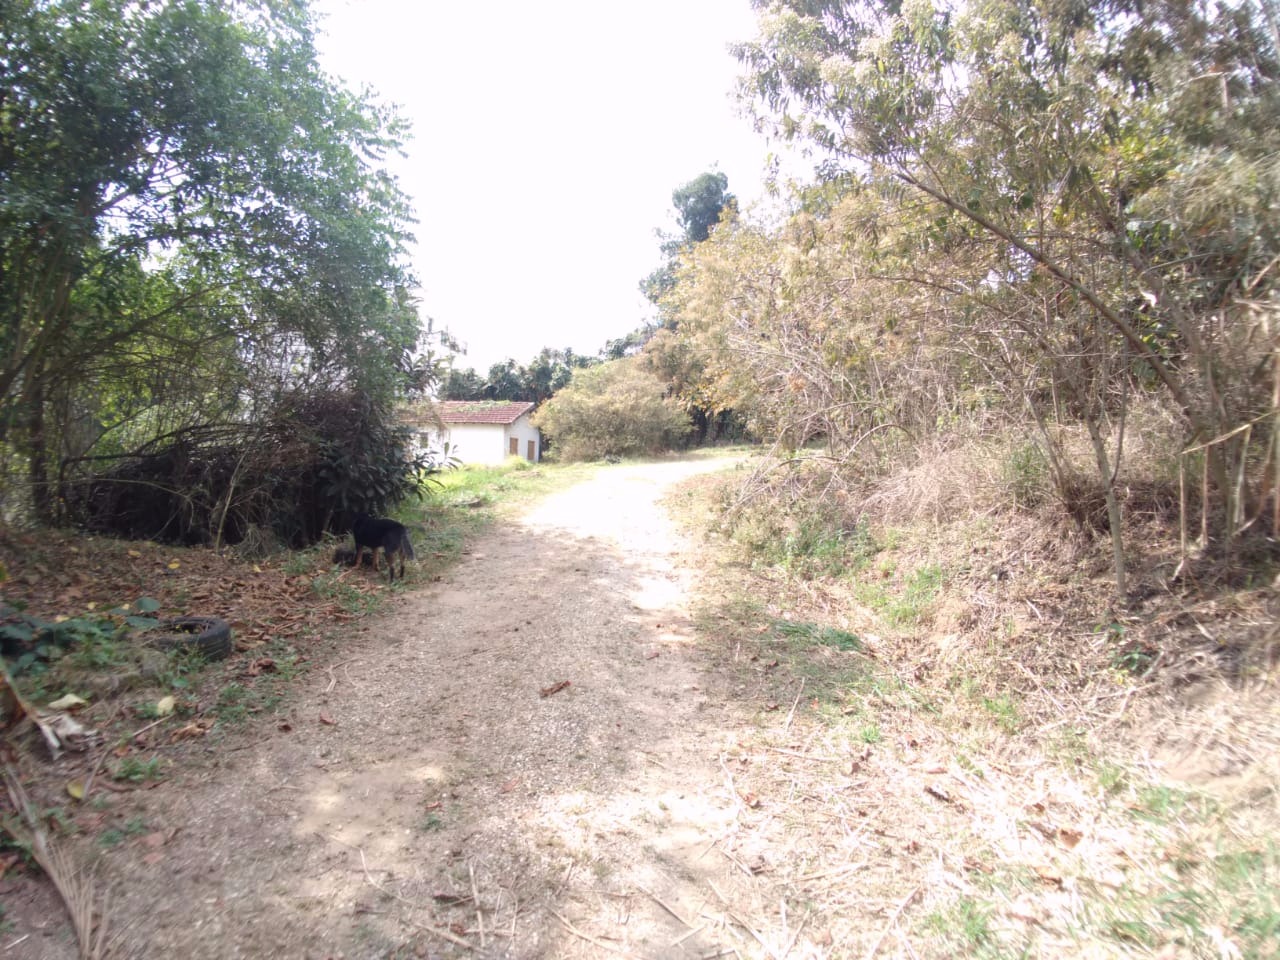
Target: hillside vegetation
x=1044 y=241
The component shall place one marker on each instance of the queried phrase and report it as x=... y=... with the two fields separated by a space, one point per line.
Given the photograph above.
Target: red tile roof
x=482 y=411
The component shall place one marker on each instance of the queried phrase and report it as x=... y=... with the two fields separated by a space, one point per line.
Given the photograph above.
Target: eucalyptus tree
x=1115 y=162
x=188 y=204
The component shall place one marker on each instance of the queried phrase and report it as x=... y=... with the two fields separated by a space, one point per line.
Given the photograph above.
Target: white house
x=483 y=431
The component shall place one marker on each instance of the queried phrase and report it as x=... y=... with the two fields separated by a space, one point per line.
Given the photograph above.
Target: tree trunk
x=37 y=455
x=1113 y=505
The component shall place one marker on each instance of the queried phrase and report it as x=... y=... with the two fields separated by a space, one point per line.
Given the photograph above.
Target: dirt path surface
x=429 y=795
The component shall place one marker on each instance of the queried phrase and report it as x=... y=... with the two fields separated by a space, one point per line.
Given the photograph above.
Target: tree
x=613 y=409
x=546 y=373
x=1112 y=163
x=700 y=204
x=192 y=213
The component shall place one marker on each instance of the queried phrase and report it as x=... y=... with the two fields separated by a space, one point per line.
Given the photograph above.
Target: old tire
x=209 y=636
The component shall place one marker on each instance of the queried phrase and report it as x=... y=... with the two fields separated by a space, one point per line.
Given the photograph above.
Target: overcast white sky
x=547 y=138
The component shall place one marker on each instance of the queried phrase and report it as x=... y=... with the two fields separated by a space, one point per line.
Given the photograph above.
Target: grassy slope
x=963 y=747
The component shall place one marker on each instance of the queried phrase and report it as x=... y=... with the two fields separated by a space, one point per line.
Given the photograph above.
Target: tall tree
x=185 y=196
x=1120 y=156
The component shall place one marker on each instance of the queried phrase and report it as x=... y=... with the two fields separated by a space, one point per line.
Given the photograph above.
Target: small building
x=483 y=431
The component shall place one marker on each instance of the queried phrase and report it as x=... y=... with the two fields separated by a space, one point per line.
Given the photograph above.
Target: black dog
x=392 y=537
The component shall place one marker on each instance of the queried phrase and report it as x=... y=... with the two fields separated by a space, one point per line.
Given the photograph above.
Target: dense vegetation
x=195 y=232
x=1052 y=224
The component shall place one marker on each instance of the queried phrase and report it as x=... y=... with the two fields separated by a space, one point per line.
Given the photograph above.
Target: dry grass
x=965 y=747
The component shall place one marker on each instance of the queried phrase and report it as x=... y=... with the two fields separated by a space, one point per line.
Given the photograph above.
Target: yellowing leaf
x=93 y=606
x=164 y=706
x=68 y=702
x=256 y=568
x=134 y=553
x=75 y=789
x=174 y=564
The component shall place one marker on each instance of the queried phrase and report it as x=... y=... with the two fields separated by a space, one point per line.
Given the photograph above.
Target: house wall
x=477 y=443
x=486 y=444
x=524 y=431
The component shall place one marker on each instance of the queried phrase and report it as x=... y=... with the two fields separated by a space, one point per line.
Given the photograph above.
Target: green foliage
x=194 y=217
x=820 y=635
x=91 y=641
x=137 y=770
x=612 y=410
x=544 y=375
x=313 y=459
x=701 y=203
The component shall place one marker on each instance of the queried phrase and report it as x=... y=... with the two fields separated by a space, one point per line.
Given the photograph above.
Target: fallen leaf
x=256 y=568
x=75 y=789
x=510 y=785
x=1049 y=875
x=164 y=706
x=554 y=688
x=260 y=666
x=751 y=800
x=197 y=729
x=284 y=726
x=153 y=858
x=134 y=553
x=327 y=720
x=1069 y=837
x=174 y=564
x=939 y=793
x=68 y=702
x=155 y=840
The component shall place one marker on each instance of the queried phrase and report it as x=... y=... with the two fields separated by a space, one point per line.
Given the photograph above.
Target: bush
x=612 y=410
x=315 y=460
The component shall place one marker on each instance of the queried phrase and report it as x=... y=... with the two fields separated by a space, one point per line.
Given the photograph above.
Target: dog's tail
x=406 y=545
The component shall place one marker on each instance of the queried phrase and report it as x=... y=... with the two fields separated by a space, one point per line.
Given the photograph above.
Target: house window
x=515 y=446
x=533 y=450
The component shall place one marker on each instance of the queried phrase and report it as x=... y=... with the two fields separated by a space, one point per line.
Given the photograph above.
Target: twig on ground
x=802 y=756
x=659 y=901
x=102 y=758
x=791 y=714
x=589 y=938
x=153 y=723
x=475 y=899
x=893 y=920
x=791 y=944
x=333 y=681
x=692 y=931
x=743 y=924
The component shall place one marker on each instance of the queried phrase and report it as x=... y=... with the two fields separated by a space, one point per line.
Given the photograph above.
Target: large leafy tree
x=1106 y=174
x=191 y=211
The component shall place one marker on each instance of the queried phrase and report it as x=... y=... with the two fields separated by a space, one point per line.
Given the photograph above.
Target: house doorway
x=514 y=447
x=533 y=450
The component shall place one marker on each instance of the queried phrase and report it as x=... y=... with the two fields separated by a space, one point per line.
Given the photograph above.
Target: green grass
x=817 y=635
x=137 y=770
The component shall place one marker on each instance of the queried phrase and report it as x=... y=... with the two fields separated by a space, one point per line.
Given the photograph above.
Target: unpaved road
x=423 y=798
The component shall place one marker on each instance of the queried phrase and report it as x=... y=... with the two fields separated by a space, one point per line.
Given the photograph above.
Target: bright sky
x=547 y=138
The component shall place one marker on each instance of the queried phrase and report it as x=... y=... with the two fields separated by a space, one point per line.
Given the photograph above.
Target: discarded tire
x=210 y=636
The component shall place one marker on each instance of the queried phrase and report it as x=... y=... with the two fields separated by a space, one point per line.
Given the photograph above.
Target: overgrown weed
x=991 y=704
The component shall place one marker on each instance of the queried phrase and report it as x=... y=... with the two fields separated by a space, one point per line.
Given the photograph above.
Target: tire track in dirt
x=444 y=808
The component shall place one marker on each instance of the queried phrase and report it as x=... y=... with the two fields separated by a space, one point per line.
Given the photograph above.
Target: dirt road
x=519 y=761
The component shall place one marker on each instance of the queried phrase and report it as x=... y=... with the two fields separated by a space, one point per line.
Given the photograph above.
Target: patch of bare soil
x=520 y=761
